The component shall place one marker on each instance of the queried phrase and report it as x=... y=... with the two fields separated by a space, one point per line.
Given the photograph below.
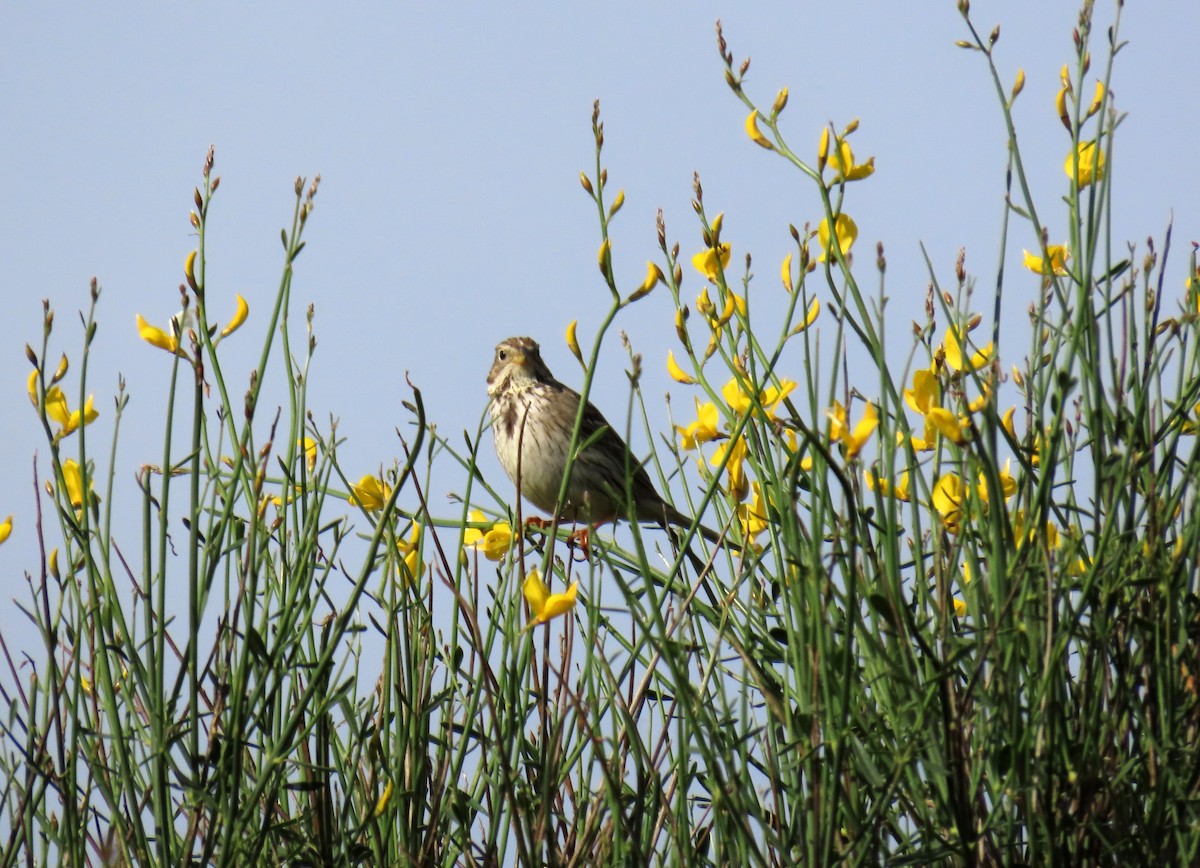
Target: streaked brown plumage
x=533 y=416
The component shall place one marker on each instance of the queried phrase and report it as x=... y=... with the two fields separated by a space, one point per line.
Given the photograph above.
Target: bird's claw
x=580 y=538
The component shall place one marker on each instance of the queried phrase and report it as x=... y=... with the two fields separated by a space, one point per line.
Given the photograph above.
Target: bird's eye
x=502 y=355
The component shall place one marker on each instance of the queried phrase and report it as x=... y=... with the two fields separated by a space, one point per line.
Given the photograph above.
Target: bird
x=533 y=418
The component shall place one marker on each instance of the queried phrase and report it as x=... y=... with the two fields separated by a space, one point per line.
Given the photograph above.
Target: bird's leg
x=580 y=537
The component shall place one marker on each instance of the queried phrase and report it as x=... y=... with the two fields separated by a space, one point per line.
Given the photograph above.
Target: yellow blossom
x=73 y=480
x=1054 y=263
x=573 y=339
x=770 y=398
x=310 y=451
x=924 y=392
x=885 y=487
x=960 y=607
x=369 y=493
x=952 y=346
x=852 y=439
x=189 y=268
x=712 y=262
x=1023 y=534
x=544 y=604
x=1008 y=485
x=5 y=528
x=384 y=798
x=239 y=317
x=1097 y=98
x=814 y=310
x=494 y=543
x=678 y=374
x=846 y=231
x=1006 y=421
x=755 y=133
x=948 y=494
x=842 y=162
x=653 y=276
x=410 y=550
x=1091 y=163
x=155 y=336
x=703 y=429
x=752 y=517
x=947 y=424
x=735 y=474
x=785 y=272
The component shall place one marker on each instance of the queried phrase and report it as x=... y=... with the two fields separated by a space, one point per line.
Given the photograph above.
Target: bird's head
x=518 y=361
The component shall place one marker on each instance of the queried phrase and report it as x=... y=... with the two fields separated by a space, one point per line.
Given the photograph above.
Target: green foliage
x=937 y=630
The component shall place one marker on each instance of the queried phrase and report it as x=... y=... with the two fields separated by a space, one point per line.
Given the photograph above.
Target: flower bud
x=62 y=369
x=603 y=255
x=1018 y=85
x=573 y=340
x=754 y=133
x=617 y=203
x=781 y=101
x=587 y=183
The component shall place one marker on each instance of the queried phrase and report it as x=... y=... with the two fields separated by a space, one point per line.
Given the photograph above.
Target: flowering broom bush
x=954 y=615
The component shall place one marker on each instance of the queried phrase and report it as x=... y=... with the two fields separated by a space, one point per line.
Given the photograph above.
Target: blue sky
x=450 y=137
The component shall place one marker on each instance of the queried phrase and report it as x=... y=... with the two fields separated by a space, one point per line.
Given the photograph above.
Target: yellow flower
x=677 y=373
x=703 y=429
x=369 y=493
x=410 y=550
x=1007 y=421
x=752 y=517
x=239 y=317
x=953 y=349
x=310 y=451
x=5 y=529
x=1022 y=534
x=885 y=487
x=155 y=336
x=735 y=473
x=1097 y=98
x=73 y=479
x=846 y=231
x=494 y=544
x=755 y=133
x=814 y=310
x=924 y=392
x=712 y=262
x=1091 y=163
x=1008 y=485
x=960 y=607
x=842 y=162
x=947 y=424
x=573 y=339
x=653 y=276
x=384 y=798
x=544 y=604
x=852 y=440
x=57 y=409
x=948 y=496
x=1058 y=254
x=770 y=397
